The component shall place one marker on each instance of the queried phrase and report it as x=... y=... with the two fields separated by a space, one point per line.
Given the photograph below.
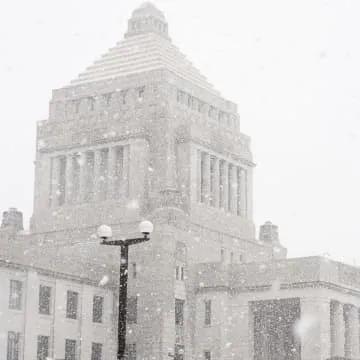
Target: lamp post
x=105 y=234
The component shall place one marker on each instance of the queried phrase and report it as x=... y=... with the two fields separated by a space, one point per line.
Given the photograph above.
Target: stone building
x=139 y=134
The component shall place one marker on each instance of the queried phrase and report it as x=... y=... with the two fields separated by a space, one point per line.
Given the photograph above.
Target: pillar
x=337 y=329
x=224 y=185
x=351 y=332
x=314 y=328
x=124 y=192
x=243 y=195
x=205 y=181
x=55 y=174
x=69 y=179
x=82 y=177
x=233 y=188
x=215 y=182
x=97 y=174
x=111 y=173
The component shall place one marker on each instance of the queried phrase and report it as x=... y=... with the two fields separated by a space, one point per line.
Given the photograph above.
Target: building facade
x=139 y=134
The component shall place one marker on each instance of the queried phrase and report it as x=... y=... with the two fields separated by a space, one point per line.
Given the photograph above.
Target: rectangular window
x=72 y=304
x=123 y=97
x=207 y=355
x=134 y=270
x=98 y=304
x=70 y=349
x=62 y=180
x=76 y=106
x=91 y=103
x=207 y=312
x=131 y=314
x=96 y=351
x=141 y=92
x=177 y=273
x=179 y=312
x=42 y=347
x=15 y=296
x=222 y=255
x=231 y=257
x=182 y=276
x=107 y=99
x=13 y=346
x=44 y=299
x=179 y=352
x=130 y=352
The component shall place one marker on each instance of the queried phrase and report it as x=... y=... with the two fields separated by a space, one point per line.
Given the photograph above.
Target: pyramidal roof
x=146 y=47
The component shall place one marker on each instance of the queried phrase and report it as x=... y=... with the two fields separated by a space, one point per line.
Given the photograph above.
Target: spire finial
x=147 y=18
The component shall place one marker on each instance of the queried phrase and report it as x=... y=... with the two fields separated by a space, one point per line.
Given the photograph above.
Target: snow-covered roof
x=146 y=47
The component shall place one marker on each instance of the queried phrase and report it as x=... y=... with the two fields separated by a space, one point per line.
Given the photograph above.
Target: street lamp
x=105 y=234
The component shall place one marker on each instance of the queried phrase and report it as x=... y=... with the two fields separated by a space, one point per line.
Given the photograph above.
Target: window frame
x=16 y=301
x=40 y=308
x=95 y=316
x=71 y=313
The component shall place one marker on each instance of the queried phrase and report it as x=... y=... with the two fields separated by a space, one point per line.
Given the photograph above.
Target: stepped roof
x=146 y=46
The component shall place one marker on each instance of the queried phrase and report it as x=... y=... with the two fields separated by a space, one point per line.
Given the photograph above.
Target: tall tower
x=141 y=133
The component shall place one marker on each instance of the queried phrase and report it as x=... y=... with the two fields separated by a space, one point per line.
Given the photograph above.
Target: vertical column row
x=345 y=330
x=221 y=184
x=89 y=176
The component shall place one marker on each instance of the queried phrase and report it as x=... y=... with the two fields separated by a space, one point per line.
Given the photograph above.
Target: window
x=130 y=351
x=241 y=258
x=222 y=255
x=44 y=299
x=70 y=349
x=231 y=257
x=91 y=102
x=98 y=303
x=207 y=355
x=76 y=104
x=141 y=92
x=131 y=314
x=96 y=351
x=134 y=270
x=208 y=312
x=182 y=273
x=179 y=312
x=42 y=347
x=13 y=346
x=72 y=304
x=123 y=96
x=177 y=276
x=15 y=298
x=179 y=352
x=107 y=98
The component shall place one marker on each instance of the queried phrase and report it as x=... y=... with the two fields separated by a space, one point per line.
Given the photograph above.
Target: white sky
x=292 y=66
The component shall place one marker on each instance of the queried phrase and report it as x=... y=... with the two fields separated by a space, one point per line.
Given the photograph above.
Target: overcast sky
x=292 y=66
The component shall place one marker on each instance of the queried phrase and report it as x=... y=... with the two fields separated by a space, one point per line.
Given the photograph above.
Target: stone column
x=82 y=177
x=243 y=195
x=337 y=329
x=124 y=192
x=225 y=186
x=216 y=186
x=314 y=328
x=55 y=175
x=233 y=187
x=111 y=172
x=69 y=179
x=351 y=332
x=205 y=196
x=97 y=173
